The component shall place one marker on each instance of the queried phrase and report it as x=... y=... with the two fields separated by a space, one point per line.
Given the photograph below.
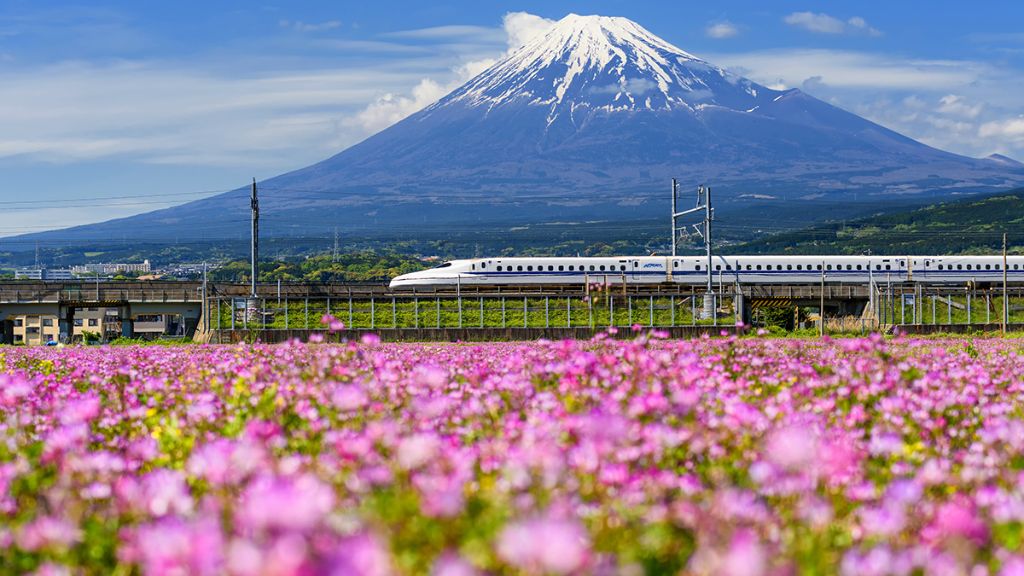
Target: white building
x=112 y=268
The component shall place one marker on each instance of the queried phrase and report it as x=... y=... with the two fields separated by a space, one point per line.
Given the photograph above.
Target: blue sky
x=155 y=103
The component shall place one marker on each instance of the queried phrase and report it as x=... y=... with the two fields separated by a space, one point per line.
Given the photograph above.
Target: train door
x=636 y=273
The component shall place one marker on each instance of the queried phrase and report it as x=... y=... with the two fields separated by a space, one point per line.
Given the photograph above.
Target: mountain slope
x=589 y=121
x=961 y=226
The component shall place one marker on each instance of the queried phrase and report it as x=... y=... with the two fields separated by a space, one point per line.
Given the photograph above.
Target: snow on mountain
x=590 y=121
x=605 y=63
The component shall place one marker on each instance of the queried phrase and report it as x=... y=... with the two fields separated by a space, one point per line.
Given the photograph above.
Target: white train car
x=725 y=270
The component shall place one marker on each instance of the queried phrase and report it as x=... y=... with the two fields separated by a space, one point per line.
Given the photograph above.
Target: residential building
x=43 y=274
x=112 y=268
x=35 y=329
x=93 y=320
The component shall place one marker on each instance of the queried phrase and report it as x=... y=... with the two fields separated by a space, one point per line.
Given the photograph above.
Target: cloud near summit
x=519 y=28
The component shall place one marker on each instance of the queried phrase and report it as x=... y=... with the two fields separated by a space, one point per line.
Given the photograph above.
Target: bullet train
x=724 y=269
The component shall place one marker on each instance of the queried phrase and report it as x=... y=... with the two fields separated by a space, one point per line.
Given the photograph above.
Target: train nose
x=402 y=281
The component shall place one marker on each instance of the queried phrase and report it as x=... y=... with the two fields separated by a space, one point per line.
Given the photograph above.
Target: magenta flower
x=296 y=503
x=544 y=544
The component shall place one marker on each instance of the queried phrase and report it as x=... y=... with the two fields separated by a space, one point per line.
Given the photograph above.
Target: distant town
x=112 y=270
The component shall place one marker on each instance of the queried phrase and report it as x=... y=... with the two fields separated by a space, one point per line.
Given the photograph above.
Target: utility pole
x=254 y=205
x=206 y=312
x=1006 y=301
x=675 y=188
x=334 y=253
x=821 y=304
x=703 y=230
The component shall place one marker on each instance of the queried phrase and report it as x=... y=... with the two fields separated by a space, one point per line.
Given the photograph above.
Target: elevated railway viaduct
x=224 y=311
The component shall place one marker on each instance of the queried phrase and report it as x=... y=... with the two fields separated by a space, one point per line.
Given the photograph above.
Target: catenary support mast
x=254 y=205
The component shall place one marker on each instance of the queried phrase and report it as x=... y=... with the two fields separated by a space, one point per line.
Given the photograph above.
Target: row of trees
x=364 y=266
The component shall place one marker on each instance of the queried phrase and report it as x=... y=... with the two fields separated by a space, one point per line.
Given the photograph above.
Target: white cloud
x=821 y=23
x=1011 y=129
x=300 y=26
x=155 y=114
x=521 y=27
x=721 y=30
x=480 y=33
x=954 y=105
x=964 y=106
x=518 y=28
x=391 y=108
x=848 y=69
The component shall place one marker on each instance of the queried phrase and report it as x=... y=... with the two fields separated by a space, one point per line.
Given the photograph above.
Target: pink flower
x=792 y=448
x=360 y=555
x=171 y=547
x=48 y=532
x=297 y=503
x=333 y=324
x=957 y=519
x=13 y=388
x=450 y=564
x=544 y=544
x=745 y=557
x=416 y=450
x=349 y=398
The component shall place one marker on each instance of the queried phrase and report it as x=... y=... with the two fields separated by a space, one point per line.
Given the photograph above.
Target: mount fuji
x=589 y=121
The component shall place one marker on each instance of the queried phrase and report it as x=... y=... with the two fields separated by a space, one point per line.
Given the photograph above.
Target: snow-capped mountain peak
x=607 y=64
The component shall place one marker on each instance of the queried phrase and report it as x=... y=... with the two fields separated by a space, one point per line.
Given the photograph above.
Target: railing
x=396 y=311
x=931 y=305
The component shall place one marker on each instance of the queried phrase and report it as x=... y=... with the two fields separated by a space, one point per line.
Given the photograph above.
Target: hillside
x=965 y=226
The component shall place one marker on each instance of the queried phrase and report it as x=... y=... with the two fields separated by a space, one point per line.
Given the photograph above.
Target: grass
x=429 y=312
x=981 y=312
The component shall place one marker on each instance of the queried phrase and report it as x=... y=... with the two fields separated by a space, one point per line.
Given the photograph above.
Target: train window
x=560 y=267
x=819 y=266
x=829 y=267
x=697 y=267
x=940 y=266
x=675 y=264
x=529 y=268
x=799 y=267
x=758 y=266
x=959 y=266
x=1016 y=266
x=888 y=267
x=968 y=266
x=988 y=267
x=518 y=269
x=602 y=267
x=571 y=268
x=728 y=266
x=622 y=267
x=591 y=267
x=718 y=266
x=858 y=266
x=748 y=267
x=473 y=267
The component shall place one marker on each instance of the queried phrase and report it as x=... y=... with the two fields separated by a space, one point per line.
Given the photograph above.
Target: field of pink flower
x=740 y=457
